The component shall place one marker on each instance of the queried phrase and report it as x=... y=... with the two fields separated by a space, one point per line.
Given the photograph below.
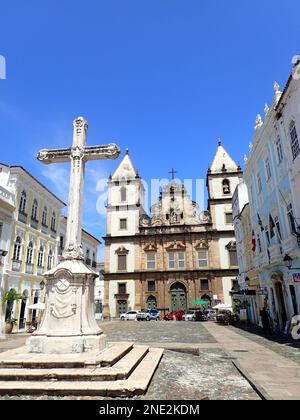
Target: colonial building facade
x=177 y=254
x=32 y=237
x=272 y=178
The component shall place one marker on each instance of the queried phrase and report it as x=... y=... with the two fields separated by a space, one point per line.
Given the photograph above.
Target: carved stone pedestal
x=68 y=324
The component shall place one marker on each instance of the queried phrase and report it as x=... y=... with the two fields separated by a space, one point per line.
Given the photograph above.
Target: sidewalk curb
x=257 y=388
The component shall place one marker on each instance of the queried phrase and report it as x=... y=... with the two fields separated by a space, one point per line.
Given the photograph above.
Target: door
x=121 y=307
x=281 y=305
x=151 y=302
x=178 y=297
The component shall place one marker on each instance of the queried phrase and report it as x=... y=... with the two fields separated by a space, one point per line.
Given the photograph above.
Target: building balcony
x=22 y=217
x=34 y=223
x=88 y=261
x=16 y=265
x=40 y=271
x=29 y=268
x=7 y=196
x=44 y=228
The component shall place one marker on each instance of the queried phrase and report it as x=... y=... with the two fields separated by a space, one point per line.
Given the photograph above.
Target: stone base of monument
x=66 y=345
x=121 y=369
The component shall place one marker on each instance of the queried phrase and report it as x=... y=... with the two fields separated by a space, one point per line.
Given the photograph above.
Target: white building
x=271 y=180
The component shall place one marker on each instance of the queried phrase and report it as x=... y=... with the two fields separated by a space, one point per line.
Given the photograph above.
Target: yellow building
x=34 y=239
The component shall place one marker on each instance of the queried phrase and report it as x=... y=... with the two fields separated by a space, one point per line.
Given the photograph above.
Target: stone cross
x=78 y=155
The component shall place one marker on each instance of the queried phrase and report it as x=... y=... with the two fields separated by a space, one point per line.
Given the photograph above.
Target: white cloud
x=59 y=177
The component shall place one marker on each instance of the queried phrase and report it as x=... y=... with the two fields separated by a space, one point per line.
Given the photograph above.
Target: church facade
x=177 y=254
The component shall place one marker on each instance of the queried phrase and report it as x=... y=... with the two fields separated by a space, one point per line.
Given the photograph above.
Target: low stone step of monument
x=136 y=384
x=23 y=359
x=120 y=370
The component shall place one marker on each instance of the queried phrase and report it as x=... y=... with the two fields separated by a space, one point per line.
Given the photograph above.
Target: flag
x=253 y=241
x=272 y=226
x=260 y=223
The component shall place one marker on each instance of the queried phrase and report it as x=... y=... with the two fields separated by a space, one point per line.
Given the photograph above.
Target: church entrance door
x=178 y=297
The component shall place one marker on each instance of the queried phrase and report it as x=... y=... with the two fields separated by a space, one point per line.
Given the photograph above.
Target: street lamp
x=288 y=262
x=42 y=285
x=3 y=253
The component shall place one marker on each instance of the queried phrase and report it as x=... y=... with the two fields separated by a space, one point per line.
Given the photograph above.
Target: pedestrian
x=265 y=319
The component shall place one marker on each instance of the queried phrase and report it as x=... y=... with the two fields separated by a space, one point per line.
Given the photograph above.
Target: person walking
x=265 y=319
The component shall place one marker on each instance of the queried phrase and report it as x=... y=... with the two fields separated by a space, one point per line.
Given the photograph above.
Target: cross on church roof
x=173 y=172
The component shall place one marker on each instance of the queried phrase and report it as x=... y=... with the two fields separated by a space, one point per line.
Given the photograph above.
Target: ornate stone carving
x=63 y=298
x=202 y=244
x=175 y=245
x=231 y=246
x=258 y=121
x=122 y=251
x=150 y=247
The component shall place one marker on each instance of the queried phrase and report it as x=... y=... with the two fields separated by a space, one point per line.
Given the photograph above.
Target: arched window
x=226 y=187
x=34 y=210
x=123 y=193
x=17 y=249
x=53 y=221
x=41 y=256
x=50 y=260
x=29 y=253
x=294 y=140
x=23 y=201
x=44 y=217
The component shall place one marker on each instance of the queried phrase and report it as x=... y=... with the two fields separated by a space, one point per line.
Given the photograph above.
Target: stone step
x=108 y=357
x=136 y=384
x=121 y=370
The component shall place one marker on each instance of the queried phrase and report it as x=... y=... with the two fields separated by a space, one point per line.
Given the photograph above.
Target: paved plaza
x=201 y=361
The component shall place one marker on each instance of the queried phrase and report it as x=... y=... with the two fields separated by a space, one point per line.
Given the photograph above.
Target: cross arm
x=54 y=155
x=108 y=151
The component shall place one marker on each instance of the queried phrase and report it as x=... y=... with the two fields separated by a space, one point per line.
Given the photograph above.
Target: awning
x=37 y=306
x=223 y=306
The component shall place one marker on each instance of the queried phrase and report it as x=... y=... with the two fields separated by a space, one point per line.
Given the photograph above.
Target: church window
x=123 y=224
x=17 y=249
x=171 y=259
x=29 y=253
x=122 y=262
x=204 y=284
x=122 y=288
x=228 y=218
x=202 y=259
x=226 y=187
x=233 y=258
x=34 y=210
x=294 y=140
x=181 y=259
x=151 y=260
x=41 y=257
x=123 y=193
x=151 y=286
x=23 y=201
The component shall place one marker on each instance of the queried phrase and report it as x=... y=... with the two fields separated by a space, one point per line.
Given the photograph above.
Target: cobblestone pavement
x=161 y=331
x=284 y=346
x=180 y=376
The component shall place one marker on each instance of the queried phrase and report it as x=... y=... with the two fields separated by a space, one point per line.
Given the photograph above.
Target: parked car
x=148 y=315
x=189 y=316
x=225 y=316
x=129 y=316
x=174 y=315
x=211 y=315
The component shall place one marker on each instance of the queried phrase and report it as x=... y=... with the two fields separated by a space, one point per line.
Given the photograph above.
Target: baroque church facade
x=177 y=254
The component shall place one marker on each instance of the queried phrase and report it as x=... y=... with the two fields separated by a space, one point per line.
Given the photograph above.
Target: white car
x=189 y=316
x=129 y=316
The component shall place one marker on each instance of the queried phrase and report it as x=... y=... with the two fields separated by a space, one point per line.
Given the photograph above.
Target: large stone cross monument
x=68 y=324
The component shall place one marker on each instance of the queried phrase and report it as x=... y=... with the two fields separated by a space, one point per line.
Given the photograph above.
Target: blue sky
x=164 y=78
